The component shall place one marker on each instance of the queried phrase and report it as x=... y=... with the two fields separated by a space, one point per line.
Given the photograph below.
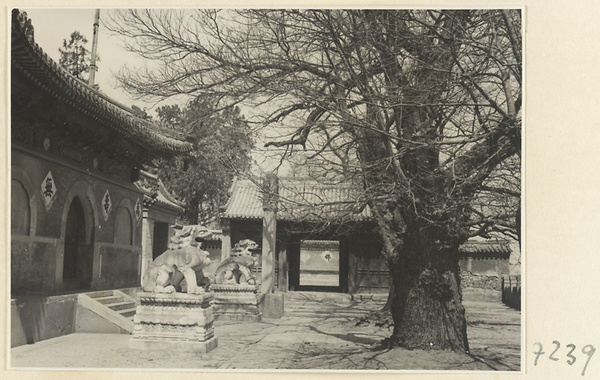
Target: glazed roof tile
x=245 y=201
x=29 y=58
x=165 y=198
x=299 y=200
x=308 y=200
x=491 y=248
x=156 y=193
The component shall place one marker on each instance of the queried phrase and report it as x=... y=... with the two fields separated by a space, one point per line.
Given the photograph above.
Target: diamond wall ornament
x=328 y=256
x=138 y=210
x=48 y=190
x=106 y=205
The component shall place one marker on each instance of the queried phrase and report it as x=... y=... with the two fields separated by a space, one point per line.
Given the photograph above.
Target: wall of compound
x=108 y=241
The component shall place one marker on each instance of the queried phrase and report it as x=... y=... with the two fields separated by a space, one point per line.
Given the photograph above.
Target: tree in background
x=74 y=56
x=222 y=146
x=422 y=107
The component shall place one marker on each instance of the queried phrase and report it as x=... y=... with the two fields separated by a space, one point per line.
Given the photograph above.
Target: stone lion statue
x=183 y=260
x=236 y=269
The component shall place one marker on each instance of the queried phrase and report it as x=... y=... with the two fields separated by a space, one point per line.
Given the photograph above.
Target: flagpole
x=93 y=67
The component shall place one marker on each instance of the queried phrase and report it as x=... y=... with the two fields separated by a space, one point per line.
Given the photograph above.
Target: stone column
x=353 y=254
x=270 y=193
x=147 y=242
x=226 y=239
x=282 y=282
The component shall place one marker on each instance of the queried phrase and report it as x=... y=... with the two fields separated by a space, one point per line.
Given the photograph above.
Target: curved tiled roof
x=245 y=201
x=491 y=248
x=156 y=193
x=299 y=200
x=29 y=58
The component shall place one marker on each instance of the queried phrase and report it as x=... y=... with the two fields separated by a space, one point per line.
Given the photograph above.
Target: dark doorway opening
x=77 y=266
x=160 y=239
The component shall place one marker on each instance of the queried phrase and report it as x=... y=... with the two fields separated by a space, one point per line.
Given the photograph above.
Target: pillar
x=283 y=282
x=147 y=242
x=270 y=193
x=225 y=239
x=353 y=254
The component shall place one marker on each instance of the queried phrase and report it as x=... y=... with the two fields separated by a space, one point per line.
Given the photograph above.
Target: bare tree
x=424 y=106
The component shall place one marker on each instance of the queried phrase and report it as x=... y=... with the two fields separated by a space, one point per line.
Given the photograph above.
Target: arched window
x=20 y=212
x=124 y=227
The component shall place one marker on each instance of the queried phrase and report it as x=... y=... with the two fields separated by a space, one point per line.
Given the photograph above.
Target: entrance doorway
x=318 y=265
x=77 y=265
x=160 y=240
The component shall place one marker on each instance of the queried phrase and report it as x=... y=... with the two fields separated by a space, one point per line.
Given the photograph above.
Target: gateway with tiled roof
x=299 y=200
x=326 y=238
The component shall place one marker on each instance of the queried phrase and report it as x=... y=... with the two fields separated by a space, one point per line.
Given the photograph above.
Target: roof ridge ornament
x=30 y=58
x=25 y=24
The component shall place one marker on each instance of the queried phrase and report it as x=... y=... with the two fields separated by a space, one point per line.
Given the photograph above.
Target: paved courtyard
x=313 y=334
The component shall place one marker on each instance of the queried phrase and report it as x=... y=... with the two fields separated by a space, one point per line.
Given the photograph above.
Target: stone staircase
x=114 y=306
x=330 y=305
x=117 y=301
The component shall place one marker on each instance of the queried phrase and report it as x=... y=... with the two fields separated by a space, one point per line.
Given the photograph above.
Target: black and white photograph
x=302 y=189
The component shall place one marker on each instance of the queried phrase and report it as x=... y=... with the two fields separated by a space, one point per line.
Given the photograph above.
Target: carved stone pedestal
x=236 y=302
x=174 y=322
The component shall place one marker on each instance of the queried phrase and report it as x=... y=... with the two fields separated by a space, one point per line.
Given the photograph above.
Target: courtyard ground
x=315 y=333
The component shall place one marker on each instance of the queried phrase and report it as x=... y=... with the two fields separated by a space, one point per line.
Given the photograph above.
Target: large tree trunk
x=391 y=295
x=427 y=307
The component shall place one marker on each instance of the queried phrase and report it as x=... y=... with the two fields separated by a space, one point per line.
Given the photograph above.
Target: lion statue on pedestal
x=237 y=268
x=183 y=260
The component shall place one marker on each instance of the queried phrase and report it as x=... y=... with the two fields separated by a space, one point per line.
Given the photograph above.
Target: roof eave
x=28 y=57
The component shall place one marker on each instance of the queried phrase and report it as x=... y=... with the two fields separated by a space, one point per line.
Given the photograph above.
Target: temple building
x=325 y=240
x=82 y=200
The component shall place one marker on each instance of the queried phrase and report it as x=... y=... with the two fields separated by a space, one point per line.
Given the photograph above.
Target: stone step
x=321 y=307
x=128 y=313
x=326 y=316
x=343 y=298
x=121 y=305
x=317 y=311
x=108 y=312
x=327 y=311
x=110 y=299
x=100 y=294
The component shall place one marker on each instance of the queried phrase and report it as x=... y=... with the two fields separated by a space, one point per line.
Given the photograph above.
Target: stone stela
x=175 y=321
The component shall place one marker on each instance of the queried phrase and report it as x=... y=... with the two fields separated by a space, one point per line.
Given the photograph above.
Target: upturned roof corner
x=28 y=58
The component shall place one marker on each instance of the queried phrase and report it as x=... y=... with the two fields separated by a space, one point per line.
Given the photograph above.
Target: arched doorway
x=77 y=266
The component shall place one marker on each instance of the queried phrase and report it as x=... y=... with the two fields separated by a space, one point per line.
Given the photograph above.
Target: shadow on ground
x=312 y=334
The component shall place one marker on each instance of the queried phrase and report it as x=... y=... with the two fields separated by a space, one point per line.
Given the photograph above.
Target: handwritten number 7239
x=588 y=350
